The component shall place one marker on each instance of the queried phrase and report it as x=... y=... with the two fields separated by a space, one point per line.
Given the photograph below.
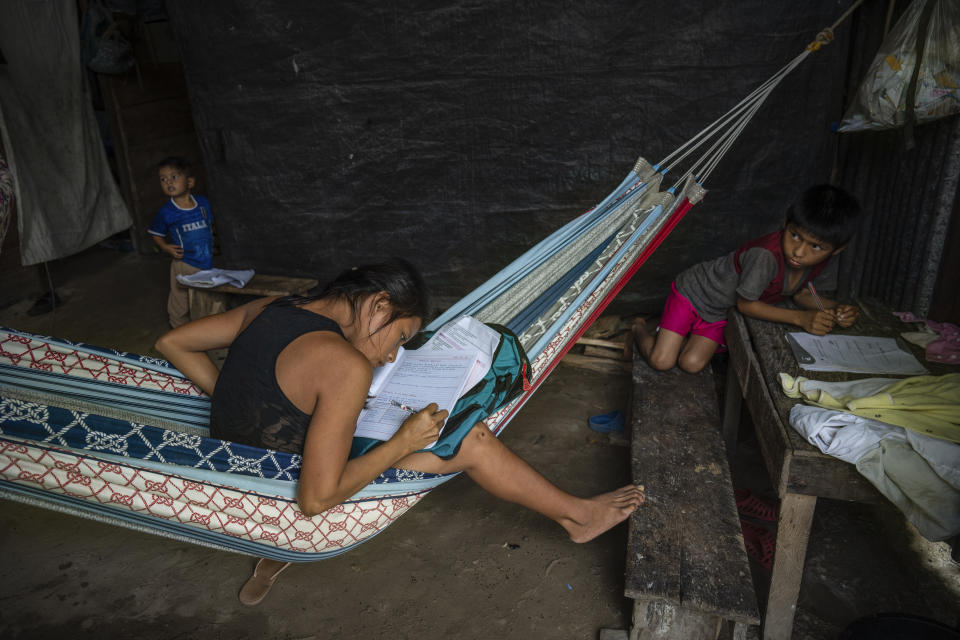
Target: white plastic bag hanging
x=929 y=30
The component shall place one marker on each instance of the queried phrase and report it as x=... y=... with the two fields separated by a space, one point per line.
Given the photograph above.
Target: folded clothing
x=926 y=404
x=941 y=340
x=917 y=473
x=215 y=277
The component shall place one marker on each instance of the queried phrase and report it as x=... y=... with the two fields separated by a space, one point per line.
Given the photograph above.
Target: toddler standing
x=186 y=220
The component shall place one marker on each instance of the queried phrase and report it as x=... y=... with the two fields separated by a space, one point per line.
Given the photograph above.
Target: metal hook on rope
x=826 y=36
x=823 y=38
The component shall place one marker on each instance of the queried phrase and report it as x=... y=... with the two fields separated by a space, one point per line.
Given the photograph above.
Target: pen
x=403 y=406
x=815 y=296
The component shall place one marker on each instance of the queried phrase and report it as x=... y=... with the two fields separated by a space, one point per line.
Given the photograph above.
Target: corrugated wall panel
x=908 y=196
x=907 y=191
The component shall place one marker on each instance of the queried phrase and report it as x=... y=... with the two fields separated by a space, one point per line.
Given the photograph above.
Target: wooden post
x=793 y=532
x=732 y=404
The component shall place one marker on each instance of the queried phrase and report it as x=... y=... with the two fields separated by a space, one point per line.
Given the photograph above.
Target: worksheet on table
x=854 y=354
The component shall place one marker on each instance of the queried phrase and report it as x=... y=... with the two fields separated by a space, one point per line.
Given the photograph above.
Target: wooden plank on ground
x=685 y=545
x=597 y=342
x=603 y=352
x=605 y=365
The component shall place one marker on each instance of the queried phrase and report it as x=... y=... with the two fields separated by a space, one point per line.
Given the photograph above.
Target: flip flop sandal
x=759 y=543
x=607 y=422
x=258 y=585
x=751 y=505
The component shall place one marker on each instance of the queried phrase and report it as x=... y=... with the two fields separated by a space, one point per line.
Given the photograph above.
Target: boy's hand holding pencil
x=821 y=321
x=846 y=314
x=842 y=314
x=818 y=322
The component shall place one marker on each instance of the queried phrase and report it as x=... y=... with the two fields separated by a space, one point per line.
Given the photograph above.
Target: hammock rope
x=728 y=127
x=122 y=438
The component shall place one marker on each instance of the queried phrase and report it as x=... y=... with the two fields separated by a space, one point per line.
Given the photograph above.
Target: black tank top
x=248 y=405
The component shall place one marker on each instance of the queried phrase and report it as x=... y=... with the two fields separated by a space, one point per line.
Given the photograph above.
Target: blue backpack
x=505 y=380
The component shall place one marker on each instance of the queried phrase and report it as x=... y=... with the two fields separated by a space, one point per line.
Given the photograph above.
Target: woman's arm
x=327 y=477
x=186 y=347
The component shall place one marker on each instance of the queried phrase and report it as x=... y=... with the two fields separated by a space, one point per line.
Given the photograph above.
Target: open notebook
x=452 y=361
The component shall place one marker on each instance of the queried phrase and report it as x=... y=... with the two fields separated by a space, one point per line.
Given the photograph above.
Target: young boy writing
x=186 y=220
x=792 y=262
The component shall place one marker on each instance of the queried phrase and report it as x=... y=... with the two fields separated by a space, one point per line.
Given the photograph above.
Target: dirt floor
x=459 y=565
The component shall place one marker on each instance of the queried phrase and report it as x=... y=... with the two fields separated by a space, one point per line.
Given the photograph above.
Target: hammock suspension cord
x=728 y=127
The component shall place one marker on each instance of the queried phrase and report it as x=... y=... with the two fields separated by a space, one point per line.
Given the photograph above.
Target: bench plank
x=266 y=285
x=685 y=546
x=207 y=301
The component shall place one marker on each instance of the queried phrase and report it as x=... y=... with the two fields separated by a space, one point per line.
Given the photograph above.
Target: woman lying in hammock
x=296 y=379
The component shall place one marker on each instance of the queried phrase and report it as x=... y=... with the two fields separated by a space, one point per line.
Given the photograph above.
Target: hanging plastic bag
x=928 y=31
x=105 y=50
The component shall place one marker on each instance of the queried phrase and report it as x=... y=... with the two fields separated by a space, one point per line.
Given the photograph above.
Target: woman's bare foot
x=604 y=512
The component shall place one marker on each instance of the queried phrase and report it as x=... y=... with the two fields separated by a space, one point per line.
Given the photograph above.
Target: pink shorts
x=680 y=317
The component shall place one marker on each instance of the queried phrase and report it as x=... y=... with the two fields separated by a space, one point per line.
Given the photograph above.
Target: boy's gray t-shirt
x=712 y=287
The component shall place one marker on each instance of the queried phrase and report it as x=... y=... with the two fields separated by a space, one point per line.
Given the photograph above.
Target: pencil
x=403 y=406
x=815 y=296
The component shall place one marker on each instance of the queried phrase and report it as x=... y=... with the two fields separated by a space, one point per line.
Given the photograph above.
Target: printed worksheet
x=469 y=335
x=454 y=359
x=855 y=354
x=421 y=378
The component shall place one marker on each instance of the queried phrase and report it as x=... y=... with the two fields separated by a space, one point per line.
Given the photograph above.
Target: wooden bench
x=208 y=301
x=687 y=569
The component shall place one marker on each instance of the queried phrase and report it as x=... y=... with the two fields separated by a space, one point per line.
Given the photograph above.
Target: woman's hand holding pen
x=422 y=428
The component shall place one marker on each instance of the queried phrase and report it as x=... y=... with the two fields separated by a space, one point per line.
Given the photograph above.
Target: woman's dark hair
x=829 y=213
x=398 y=278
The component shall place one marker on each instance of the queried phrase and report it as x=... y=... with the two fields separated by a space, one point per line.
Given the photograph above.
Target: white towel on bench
x=216 y=277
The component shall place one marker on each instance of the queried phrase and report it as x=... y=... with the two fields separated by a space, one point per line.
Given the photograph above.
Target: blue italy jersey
x=187 y=228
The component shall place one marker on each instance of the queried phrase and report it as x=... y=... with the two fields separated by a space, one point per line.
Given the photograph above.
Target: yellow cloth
x=925 y=404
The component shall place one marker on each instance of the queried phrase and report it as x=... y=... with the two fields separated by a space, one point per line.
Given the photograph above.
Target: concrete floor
x=459 y=565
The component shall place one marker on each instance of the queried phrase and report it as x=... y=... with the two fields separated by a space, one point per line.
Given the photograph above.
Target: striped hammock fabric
x=123 y=438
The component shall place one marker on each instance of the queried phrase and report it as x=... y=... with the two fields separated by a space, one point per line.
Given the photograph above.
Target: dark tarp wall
x=460 y=133
x=911 y=195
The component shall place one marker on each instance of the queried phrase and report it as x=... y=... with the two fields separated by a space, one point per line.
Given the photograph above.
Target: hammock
x=123 y=439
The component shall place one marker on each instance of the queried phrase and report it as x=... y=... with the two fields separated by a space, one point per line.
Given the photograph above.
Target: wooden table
x=799 y=472
x=208 y=301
